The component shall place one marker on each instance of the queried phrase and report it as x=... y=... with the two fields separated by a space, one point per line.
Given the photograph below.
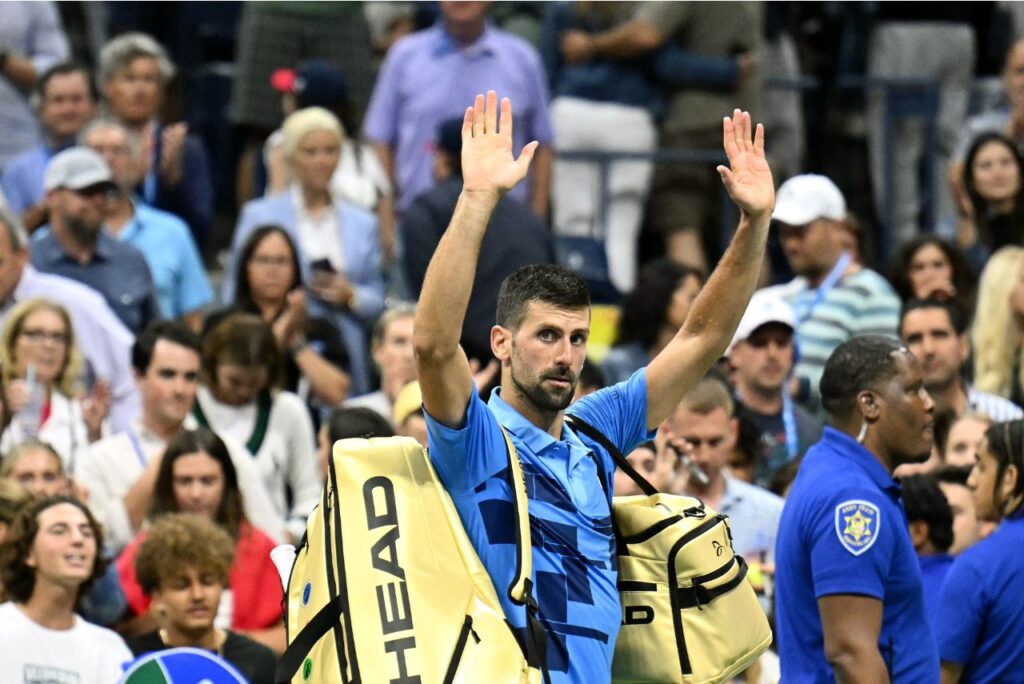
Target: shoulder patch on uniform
x=857 y=524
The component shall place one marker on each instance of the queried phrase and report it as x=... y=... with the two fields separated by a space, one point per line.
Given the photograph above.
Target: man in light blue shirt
x=182 y=288
x=540 y=338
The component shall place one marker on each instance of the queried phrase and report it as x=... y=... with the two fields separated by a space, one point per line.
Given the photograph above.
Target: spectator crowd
x=175 y=365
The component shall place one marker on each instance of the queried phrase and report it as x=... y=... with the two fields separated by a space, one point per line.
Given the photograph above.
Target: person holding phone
x=337 y=242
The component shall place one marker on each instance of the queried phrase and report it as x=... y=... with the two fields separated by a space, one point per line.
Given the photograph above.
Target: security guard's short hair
x=858 y=364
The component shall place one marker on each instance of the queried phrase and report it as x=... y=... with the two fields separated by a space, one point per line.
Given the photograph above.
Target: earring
x=862 y=435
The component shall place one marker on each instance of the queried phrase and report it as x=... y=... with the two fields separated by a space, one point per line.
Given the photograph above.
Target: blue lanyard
x=138 y=447
x=826 y=285
x=789 y=425
x=150 y=184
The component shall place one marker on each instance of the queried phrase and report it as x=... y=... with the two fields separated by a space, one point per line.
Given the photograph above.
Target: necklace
x=220 y=637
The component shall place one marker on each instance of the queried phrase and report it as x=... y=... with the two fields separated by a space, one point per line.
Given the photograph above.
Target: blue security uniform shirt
x=981 y=615
x=933 y=573
x=843 y=531
x=574 y=569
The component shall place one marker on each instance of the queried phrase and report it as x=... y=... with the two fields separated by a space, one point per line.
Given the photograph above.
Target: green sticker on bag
x=307 y=668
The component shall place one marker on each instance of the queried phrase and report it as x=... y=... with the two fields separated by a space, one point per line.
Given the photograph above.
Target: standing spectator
x=197 y=476
x=240 y=398
x=65 y=100
x=31 y=41
x=183 y=568
x=685 y=204
x=981 y=616
x=834 y=298
x=120 y=472
x=848 y=595
x=930 y=523
x=108 y=354
x=268 y=282
x=762 y=356
x=516 y=238
x=460 y=56
x=133 y=74
x=337 y=242
x=998 y=330
x=652 y=314
x=182 y=288
x=936 y=333
x=391 y=346
x=40 y=362
x=930 y=267
x=992 y=210
x=74 y=245
x=48 y=561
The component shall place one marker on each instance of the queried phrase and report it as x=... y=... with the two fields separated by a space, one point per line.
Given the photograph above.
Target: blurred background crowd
x=217 y=217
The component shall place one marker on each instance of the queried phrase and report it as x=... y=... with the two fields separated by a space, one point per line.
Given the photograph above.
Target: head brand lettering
x=857 y=525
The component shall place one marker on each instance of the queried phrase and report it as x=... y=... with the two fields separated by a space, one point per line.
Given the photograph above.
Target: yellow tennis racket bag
x=386 y=586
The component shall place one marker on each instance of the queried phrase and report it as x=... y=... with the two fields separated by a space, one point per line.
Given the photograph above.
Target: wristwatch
x=297 y=346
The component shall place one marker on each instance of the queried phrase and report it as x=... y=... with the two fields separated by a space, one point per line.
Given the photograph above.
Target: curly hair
x=178 y=541
x=997 y=333
x=65 y=380
x=18 y=579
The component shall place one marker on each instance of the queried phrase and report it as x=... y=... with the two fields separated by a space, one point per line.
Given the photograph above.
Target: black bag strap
x=698 y=595
x=580 y=425
x=324 y=620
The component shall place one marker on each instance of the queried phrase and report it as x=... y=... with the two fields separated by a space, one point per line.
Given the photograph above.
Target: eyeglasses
x=34 y=335
x=271 y=262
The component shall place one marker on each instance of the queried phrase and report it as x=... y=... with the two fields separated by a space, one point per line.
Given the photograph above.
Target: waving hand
x=487 y=162
x=747 y=179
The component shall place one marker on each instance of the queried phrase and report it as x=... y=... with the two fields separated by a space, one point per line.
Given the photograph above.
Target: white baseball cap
x=807 y=197
x=76 y=168
x=765 y=307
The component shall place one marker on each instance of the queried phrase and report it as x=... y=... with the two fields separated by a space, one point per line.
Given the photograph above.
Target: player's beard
x=545 y=398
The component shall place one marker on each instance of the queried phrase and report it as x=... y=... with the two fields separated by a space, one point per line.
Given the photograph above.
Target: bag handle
x=580 y=425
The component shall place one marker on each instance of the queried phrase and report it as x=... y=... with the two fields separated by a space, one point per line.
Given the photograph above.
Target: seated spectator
x=344 y=423
x=929 y=267
x=391 y=346
x=133 y=74
x=997 y=335
x=40 y=366
x=183 y=568
x=992 y=212
x=268 y=283
x=182 y=288
x=964 y=438
x=936 y=332
x=48 y=561
x=239 y=398
x=651 y=316
x=337 y=242
x=762 y=357
x=120 y=472
x=197 y=476
x=12 y=497
x=65 y=101
x=516 y=237
x=930 y=523
x=408 y=414
x=656 y=461
x=360 y=177
x=967 y=529
x=980 y=615
x=74 y=245
x=108 y=354
x=38 y=468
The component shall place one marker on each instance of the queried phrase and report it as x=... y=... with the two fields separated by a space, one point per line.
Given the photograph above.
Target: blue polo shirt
x=843 y=531
x=574 y=569
x=981 y=615
x=934 y=569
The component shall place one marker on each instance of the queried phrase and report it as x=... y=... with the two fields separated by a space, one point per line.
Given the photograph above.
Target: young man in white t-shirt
x=48 y=560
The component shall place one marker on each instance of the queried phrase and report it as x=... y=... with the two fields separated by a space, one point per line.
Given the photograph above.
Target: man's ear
x=964 y=346
x=867 y=404
x=501 y=343
x=918 y=533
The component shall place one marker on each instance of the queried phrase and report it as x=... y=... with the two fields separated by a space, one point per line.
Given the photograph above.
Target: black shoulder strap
x=580 y=425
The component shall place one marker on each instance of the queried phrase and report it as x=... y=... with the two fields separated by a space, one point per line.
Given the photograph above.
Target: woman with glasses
x=40 y=371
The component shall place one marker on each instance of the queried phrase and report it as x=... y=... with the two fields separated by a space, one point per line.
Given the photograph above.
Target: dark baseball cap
x=315 y=83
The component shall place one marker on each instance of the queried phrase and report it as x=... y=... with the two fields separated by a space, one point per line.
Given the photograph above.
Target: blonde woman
x=40 y=368
x=337 y=242
x=998 y=330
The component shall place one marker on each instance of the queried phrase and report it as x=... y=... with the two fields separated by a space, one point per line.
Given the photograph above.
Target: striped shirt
x=862 y=303
x=992 y=405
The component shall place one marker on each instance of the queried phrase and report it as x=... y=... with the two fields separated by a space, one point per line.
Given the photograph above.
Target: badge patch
x=857 y=524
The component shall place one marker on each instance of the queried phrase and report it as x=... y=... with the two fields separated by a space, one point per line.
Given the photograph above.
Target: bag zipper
x=460 y=647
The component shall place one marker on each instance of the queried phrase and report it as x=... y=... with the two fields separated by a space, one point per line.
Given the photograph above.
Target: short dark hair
x=230 y=514
x=16 y=577
x=956 y=475
x=243 y=292
x=957 y=319
x=1006 y=443
x=63 y=69
x=357 y=421
x=591 y=375
x=546 y=283
x=645 y=308
x=858 y=364
x=924 y=502
x=172 y=331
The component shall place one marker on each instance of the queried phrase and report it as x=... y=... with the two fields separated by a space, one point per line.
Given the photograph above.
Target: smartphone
x=322 y=265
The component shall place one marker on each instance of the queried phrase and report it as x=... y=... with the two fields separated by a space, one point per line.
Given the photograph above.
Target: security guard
x=849 y=604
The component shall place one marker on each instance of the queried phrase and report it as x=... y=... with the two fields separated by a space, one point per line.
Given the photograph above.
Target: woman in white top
x=239 y=398
x=40 y=367
x=47 y=563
